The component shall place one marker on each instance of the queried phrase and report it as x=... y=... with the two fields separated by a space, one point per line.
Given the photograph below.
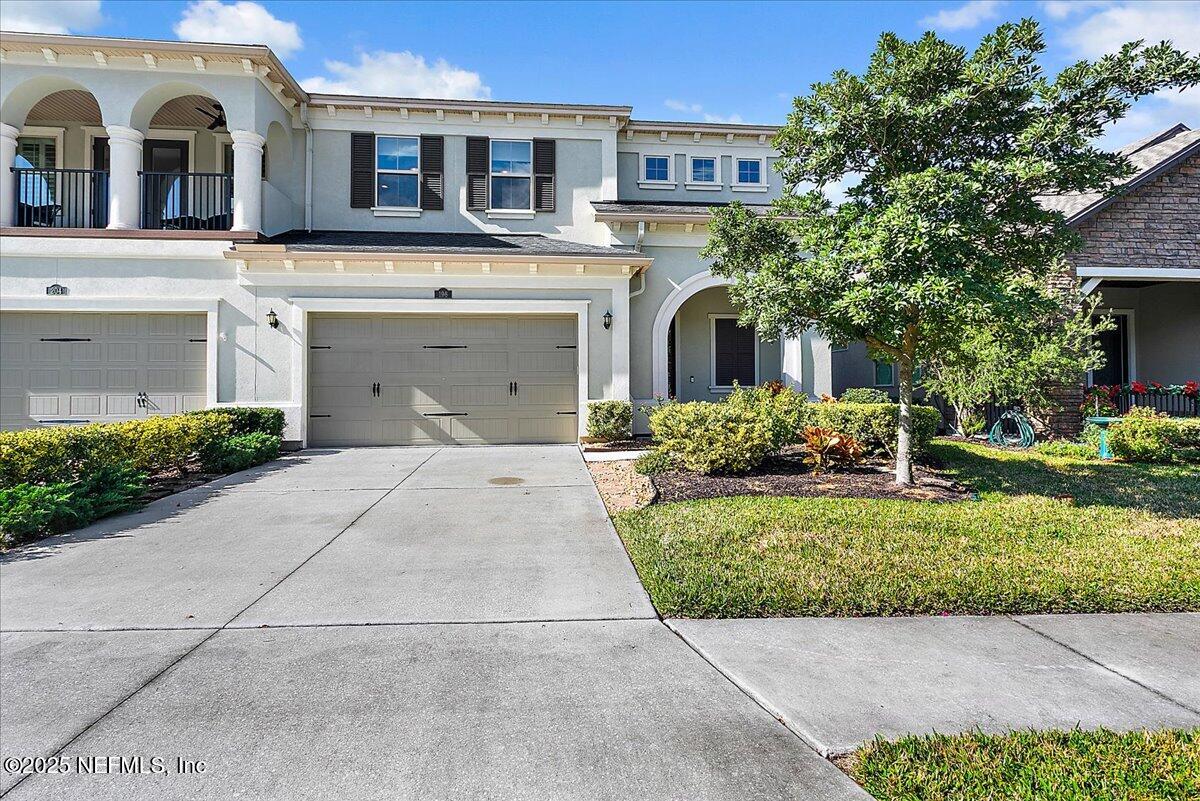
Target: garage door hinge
x=444 y=347
x=198 y=339
x=445 y=414
x=320 y=347
x=320 y=415
x=566 y=412
x=66 y=339
x=565 y=347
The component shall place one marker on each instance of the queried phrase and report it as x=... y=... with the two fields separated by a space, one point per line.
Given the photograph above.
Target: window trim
x=713 y=386
x=877 y=363
x=714 y=184
x=648 y=183
x=417 y=172
x=512 y=214
x=44 y=132
x=738 y=186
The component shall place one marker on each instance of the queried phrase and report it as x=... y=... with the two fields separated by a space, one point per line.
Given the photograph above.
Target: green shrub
x=28 y=511
x=713 y=437
x=783 y=407
x=610 y=420
x=651 y=463
x=1143 y=436
x=163 y=443
x=1068 y=450
x=1187 y=431
x=249 y=419
x=240 y=452
x=875 y=424
x=865 y=395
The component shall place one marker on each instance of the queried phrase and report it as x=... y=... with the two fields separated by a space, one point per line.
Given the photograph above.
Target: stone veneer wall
x=1155 y=226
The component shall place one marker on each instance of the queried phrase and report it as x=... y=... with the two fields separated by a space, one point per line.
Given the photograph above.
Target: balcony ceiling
x=78 y=106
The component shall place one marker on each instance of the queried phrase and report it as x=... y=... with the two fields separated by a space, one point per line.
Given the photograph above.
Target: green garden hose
x=1024 y=436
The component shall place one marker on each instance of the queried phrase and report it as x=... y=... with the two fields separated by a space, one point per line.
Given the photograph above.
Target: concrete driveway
x=371 y=623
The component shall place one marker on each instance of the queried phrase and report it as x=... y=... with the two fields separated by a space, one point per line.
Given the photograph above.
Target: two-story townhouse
x=182 y=225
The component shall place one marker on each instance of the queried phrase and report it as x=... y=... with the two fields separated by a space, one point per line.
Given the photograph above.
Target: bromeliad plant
x=825 y=448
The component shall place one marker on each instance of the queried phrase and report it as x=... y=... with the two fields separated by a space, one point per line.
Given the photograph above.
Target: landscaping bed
x=786 y=474
x=1032 y=766
x=1048 y=534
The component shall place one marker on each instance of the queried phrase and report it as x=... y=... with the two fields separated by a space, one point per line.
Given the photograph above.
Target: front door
x=1115 y=344
x=164 y=163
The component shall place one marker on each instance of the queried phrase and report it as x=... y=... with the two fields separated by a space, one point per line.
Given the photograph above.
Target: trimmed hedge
x=711 y=438
x=240 y=452
x=1144 y=435
x=249 y=419
x=28 y=511
x=864 y=395
x=875 y=424
x=610 y=420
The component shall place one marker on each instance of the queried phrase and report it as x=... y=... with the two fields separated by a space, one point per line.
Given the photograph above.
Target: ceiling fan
x=218 y=119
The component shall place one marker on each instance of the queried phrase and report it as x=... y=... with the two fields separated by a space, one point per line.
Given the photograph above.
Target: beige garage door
x=441 y=379
x=60 y=368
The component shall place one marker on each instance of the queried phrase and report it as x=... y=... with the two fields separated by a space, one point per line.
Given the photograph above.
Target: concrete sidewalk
x=841 y=682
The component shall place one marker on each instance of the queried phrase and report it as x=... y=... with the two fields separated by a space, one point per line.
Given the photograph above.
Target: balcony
x=188 y=201
x=57 y=198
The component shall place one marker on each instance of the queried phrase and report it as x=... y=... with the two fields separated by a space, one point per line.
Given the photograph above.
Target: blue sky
x=718 y=61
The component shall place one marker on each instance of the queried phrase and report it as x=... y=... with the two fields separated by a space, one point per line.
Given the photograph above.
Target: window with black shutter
x=433 y=150
x=543 y=174
x=362 y=170
x=734 y=348
x=477 y=173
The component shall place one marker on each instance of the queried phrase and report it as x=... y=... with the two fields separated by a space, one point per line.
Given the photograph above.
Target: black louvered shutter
x=433 y=149
x=735 y=347
x=362 y=170
x=543 y=174
x=477 y=173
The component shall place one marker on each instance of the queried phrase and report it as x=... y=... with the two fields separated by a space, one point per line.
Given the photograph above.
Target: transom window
x=397 y=170
x=658 y=168
x=749 y=171
x=734 y=351
x=704 y=170
x=511 y=174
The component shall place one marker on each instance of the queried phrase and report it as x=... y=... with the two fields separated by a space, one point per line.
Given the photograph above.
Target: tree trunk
x=960 y=411
x=904 y=440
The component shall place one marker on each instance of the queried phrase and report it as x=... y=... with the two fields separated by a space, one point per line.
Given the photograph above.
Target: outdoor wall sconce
x=272 y=319
x=607 y=320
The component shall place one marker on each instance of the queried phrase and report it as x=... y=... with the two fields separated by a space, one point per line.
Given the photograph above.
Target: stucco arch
x=662 y=323
x=21 y=99
x=146 y=106
x=278 y=151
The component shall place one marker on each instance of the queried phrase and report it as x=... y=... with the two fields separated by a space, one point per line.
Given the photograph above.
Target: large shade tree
x=943 y=234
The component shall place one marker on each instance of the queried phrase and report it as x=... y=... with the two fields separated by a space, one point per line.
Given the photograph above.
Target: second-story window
x=397 y=171
x=749 y=172
x=511 y=174
x=704 y=170
x=658 y=168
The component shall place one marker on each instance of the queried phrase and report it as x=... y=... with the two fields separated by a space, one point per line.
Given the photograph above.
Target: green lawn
x=1034 y=766
x=1047 y=535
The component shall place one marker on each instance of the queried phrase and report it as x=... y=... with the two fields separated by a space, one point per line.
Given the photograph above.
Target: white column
x=247 y=180
x=8 y=181
x=793 y=361
x=124 y=183
x=620 y=340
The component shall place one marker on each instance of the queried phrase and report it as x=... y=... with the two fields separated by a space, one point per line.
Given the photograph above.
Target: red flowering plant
x=1137 y=388
x=1100 y=401
x=1191 y=389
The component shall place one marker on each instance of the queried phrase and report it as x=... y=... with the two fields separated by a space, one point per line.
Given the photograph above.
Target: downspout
x=308 y=162
x=638 y=247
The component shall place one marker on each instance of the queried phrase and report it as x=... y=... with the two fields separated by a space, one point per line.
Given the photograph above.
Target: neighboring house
x=182 y=225
x=1141 y=252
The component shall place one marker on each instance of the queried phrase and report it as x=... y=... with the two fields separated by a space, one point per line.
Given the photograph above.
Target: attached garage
x=423 y=379
x=60 y=367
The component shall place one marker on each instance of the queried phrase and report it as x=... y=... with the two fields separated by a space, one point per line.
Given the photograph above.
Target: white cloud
x=402 y=74
x=696 y=109
x=242 y=22
x=1061 y=9
x=1111 y=25
x=39 y=16
x=968 y=15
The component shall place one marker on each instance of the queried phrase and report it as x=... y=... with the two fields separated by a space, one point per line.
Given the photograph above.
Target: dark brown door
x=165 y=202
x=1115 y=344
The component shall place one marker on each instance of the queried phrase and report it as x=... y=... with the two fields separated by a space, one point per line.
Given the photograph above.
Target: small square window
x=658 y=168
x=704 y=170
x=749 y=171
x=396 y=190
x=884 y=374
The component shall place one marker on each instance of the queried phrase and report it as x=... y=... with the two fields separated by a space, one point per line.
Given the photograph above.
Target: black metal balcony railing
x=187 y=201
x=1173 y=405
x=58 y=198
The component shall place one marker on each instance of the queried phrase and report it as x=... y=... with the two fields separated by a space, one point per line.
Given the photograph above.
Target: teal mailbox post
x=1103 y=423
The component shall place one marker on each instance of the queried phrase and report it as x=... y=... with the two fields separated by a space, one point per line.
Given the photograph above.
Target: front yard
x=1046 y=534
x=1033 y=766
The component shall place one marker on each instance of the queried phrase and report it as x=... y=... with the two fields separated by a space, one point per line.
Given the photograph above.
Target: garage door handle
x=445 y=414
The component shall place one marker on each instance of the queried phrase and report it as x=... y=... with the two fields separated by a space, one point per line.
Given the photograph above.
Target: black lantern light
x=272 y=319
x=607 y=320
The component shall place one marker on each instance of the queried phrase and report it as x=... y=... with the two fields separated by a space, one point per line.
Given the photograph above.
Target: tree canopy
x=943 y=234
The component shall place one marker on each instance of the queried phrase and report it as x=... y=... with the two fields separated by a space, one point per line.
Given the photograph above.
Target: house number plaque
x=56 y=289
x=442 y=294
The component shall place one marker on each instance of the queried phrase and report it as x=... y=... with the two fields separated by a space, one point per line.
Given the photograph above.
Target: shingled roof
x=1150 y=157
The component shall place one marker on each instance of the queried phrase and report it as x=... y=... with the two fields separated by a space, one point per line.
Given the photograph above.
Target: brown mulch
x=169 y=482
x=642 y=444
x=620 y=486
x=788 y=476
